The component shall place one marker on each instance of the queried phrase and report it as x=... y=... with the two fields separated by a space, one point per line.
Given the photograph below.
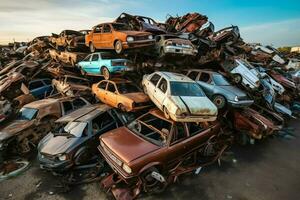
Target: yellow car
x=122 y=94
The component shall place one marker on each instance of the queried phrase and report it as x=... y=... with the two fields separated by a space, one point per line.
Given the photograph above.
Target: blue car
x=40 y=88
x=103 y=64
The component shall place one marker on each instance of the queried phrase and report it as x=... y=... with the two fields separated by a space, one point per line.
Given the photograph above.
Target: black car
x=75 y=141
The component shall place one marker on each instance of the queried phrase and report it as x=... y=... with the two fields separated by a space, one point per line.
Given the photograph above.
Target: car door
x=160 y=92
x=97 y=36
x=85 y=63
x=37 y=88
x=111 y=94
x=151 y=85
x=206 y=83
x=101 y=91
x=94 y=67
x=107 y=37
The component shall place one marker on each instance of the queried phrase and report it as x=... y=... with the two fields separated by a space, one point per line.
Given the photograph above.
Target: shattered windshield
x=121 y=27
x=77 y=129
x=152 y=128
x=27 y=114
x=220 y=80
x=186 y=89
x=125 y=88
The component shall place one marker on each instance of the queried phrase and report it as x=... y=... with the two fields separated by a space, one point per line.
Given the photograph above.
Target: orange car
x=117 y=36
x=122 y=94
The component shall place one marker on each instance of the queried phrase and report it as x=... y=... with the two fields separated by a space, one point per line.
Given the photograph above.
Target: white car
x=179 y=97
x=242 y=74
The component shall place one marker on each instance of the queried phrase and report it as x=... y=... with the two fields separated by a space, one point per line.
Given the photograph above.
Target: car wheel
x=152 y=185
x=122 y=107
x=219 y=101
x=166 y=113
x=92 y=48
x=118 y=47
x=237 y=78
x=105 y=73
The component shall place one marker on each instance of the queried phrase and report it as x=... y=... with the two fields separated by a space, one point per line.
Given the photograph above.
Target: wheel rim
x=237 y=79
x=118 y=47
x=92 y=48
x=219 y=102
x=105 y=73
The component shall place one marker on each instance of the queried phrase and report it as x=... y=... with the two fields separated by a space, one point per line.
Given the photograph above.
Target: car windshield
x=77 y=129
x=109 y=56
x=27 y=113
x=186 y=89
x=151 y=128
x=125 y=88
x=220 y=80
x=121 y=27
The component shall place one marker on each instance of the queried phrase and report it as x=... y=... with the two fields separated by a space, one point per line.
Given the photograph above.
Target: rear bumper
x=239 y=104
x=193 y=118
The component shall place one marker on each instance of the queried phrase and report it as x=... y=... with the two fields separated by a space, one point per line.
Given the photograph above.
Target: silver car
x=219 y=90
x=179 y=97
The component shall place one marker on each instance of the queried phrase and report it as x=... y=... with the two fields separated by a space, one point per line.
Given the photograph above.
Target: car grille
x=141 y=37
x=242 y=98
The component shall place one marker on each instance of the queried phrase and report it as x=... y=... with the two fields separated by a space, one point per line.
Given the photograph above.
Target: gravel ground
x=268 y=170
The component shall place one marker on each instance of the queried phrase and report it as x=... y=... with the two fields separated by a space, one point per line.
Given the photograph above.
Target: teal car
x=103 y=64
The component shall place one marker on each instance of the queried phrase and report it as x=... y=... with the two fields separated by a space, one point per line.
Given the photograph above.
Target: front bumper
x=179 y=50
x=54 y=165
x=138 y=43
x=239 y=104
x=193 y=118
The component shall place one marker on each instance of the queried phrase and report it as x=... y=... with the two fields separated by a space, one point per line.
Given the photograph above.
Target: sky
x=268 y=22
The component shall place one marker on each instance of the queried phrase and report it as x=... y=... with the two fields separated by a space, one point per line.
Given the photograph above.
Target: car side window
x=78 y=103
x=193 y=75
x=95 y=57
x=67 y=106
x=101 y=121
x=35 y=84
x=111 y=87
x=154 y=79
x=163 y=85
x=205 y=77
x=102 y=85
x=87 y=58
x=98 y=29
x=106 y=28
x=179 y=133
x=194 y=128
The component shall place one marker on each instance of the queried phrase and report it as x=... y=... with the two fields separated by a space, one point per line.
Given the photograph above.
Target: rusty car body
x=179 y=97
x=117 y=36
x=67 y=57
x=33 y=121
x=69 y=39
x=157 y=149
x=120 y=93
x=72 y=85
x=141 y=23
x=75 y=142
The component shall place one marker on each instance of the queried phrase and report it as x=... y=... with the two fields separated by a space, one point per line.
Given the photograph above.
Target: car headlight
x=130 y=39
x=62 y=157
x=236 y=98
x=150 y=37
x=127 y=169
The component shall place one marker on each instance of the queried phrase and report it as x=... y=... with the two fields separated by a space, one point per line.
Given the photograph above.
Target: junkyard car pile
x=149 y=101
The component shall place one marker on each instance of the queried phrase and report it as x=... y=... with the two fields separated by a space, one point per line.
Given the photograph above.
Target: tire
x=219 y=101
x=105 y=72
x=122 y=107
x=118 y=47
x=237 y=78
x=92 y=48
x=166 y=113
x=150 y=184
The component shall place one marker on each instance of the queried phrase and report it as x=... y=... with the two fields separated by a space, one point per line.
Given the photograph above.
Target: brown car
x=120 y=93
x=117 y=36
x=153 y=149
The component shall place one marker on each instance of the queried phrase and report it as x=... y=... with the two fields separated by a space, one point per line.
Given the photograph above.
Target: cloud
x=282 y=33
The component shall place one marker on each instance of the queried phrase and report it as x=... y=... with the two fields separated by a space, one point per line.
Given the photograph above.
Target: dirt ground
x=268 y=170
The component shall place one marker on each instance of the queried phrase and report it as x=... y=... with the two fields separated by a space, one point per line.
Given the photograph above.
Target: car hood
x=195 y=105
x=137 y=97
x=233 y=90
x=14 y=128
x=135 y=33
x=126 y=145
x=57 y=145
